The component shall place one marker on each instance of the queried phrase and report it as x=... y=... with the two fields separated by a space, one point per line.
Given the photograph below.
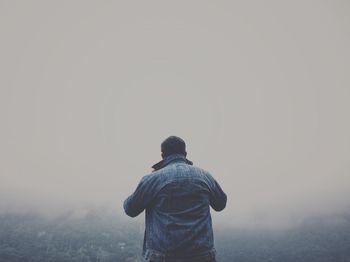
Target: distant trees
x=34 y=238
x=99 y=237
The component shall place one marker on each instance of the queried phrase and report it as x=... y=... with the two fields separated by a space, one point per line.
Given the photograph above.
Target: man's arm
x=218 y=197
x=140 y=199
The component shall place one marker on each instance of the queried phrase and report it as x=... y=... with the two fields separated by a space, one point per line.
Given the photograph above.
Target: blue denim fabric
x=177 y=199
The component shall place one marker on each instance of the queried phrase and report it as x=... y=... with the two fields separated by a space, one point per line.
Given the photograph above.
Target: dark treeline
x=98 y=236
x=315 y=240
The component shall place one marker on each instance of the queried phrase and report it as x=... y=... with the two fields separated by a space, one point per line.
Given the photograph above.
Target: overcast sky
x=259 y=90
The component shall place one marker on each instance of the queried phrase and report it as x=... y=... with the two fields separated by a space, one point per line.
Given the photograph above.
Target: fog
x=259 y=91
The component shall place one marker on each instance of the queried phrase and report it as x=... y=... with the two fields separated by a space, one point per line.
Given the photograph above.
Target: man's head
x=173 y=145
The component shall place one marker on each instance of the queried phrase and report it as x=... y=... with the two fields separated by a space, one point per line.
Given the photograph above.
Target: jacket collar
x=169 y=159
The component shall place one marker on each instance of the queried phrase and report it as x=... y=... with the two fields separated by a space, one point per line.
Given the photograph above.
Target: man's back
x=178 y=222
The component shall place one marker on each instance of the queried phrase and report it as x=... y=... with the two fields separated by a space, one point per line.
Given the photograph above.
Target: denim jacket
x=177 y=197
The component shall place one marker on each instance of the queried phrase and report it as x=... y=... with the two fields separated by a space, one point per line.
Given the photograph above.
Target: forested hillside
x=100 y=237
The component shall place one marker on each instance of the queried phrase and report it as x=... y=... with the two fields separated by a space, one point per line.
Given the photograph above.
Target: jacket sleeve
x=218 y=198
x=140 y=199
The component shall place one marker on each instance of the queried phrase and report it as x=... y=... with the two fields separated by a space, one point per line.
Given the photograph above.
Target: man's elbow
x=221 y=204
x=219 y=208
x=129 y=211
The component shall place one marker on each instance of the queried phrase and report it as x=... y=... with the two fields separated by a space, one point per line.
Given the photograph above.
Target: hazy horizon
x=260 y=92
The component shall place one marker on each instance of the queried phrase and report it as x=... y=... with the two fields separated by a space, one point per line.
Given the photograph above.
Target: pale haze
x=259 y=90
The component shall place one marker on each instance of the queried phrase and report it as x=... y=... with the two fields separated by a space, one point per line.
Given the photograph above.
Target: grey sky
x=259 y=90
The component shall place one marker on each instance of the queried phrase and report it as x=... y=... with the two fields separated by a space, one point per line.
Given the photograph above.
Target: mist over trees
x=102 y=236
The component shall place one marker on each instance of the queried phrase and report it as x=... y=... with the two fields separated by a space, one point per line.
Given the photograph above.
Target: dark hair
x=173 y=145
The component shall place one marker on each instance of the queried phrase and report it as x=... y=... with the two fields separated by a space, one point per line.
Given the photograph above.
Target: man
x=176 y=197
